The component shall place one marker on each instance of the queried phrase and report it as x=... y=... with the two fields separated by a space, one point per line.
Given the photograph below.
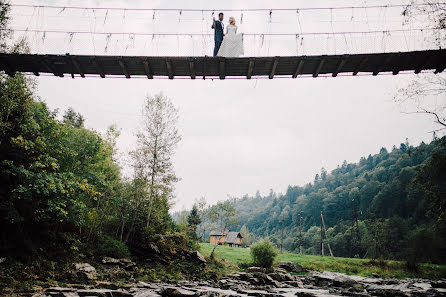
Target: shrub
x=108 y=246
x=263 y=253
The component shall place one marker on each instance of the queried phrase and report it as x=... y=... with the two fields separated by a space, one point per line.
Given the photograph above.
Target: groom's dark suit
x=218 y=35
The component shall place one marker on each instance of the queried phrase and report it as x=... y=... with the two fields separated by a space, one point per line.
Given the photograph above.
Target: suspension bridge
x=376 y=46
x=219 y=67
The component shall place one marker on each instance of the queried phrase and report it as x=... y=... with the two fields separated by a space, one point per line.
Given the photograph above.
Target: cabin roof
x=231 y=237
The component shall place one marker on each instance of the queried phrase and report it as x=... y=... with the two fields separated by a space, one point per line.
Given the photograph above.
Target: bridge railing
x=187 y=32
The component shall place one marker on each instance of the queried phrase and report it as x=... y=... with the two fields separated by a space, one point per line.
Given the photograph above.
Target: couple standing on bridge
x=229 y=44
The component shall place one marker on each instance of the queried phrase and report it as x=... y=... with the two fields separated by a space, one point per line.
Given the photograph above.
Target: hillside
x=399 y=200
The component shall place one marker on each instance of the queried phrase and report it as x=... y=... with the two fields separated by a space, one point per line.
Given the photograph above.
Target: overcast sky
x=238 y=136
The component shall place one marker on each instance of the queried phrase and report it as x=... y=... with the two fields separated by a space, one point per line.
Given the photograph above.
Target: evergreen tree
x=193 y=220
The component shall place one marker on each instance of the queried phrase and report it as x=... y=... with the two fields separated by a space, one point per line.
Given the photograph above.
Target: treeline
x=399 y=198
x=62 y=189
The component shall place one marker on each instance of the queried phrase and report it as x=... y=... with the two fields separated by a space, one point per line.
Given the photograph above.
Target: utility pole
x=281 y=240
x=322 y=239
x=300 y=232
x=355 y=229
x=356 y=222
x=326 y=237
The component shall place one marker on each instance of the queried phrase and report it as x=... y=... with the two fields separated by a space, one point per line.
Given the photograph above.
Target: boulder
x=109 y=260
x=343 y=281
x=176 y=292
x=243 y=276
x=142 y=284
x=292 y=267
x=388 y=290
x=199 y=257
x=296 y=284
x=59 y=290
x=84 y=271
x=280 y=270
x=107 y=285
x=127 y=263
x=257 y=269
x=194 y=256
x=263 y=279
x=305 y=294
x=281 y=277
x=439 y=284
x=145 y=293
x=103 y=293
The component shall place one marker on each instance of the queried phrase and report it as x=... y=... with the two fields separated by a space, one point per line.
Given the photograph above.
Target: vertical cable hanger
x=332 y=30
x=106 y=15
x=70 y=41
x=269 y=30
x=297 y=44
x=107 y=41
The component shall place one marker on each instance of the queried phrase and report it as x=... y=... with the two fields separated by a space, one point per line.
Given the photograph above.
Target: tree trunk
x=152 y=183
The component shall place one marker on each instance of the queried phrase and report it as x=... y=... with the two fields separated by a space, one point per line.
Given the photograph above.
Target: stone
x=146 y=293
x=84 y=271
x=353 y=294
x=423 y=286
x=127 y=263
x=281 y=277
x=281 y=270
x=141 y=284
x=60 y=289
x=244 y=276
x=292 y=267
x=199 y=257
x=107 y=285
x=305 y=294
x=343 y=281
x=387 y=290
x=109 y=260
x=439 y=284
x=103 y=293
x=70 y=294
x=60 y=294
x=296 y=284
x=256 y=269
x=176 y=292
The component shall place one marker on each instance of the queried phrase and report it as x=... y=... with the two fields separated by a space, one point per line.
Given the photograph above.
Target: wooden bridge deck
x=216 y=67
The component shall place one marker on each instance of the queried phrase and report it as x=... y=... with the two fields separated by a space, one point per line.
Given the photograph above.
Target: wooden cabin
x=226 y=238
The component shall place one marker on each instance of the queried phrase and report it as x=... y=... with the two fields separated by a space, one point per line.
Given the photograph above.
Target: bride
x=232 y=45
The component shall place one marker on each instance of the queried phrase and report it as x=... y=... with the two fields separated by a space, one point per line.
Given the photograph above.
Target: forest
x=63 y=196
x=62 y=188
x=390 y=205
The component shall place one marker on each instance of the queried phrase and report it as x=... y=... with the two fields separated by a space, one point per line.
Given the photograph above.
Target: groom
x=218 y=32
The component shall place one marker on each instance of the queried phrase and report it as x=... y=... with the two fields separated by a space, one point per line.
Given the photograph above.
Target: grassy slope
x=362 y=267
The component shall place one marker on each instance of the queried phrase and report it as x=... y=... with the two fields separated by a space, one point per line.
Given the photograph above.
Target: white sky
x=239 y=136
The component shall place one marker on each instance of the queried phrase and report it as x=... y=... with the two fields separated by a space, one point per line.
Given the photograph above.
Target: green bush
x=110 y=247
x=263 y=253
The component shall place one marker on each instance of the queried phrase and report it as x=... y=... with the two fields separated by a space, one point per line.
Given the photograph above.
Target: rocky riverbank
x=257 y=281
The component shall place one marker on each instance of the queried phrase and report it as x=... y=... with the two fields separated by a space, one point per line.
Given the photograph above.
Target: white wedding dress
x=232 y=45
